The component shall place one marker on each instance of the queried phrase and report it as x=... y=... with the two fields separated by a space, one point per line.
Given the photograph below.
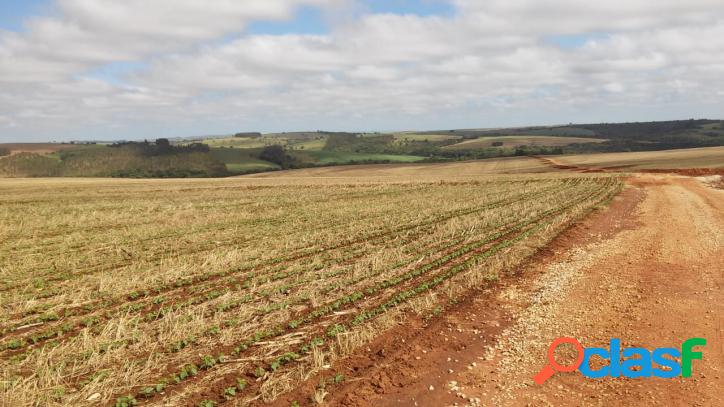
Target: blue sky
x=136 y=69
x=311 y=20
x=575 y=41
x=416 y=7
x=307 y=19
x=13 y=12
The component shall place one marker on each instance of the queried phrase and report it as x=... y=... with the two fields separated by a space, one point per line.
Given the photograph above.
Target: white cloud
x=490 y=63
x=7 y=122
x=93 y=32
x=575 y=16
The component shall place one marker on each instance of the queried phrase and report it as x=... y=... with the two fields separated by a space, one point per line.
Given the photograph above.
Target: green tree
x=277 y=155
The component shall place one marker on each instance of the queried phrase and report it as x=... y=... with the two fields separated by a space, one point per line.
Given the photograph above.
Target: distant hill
x=554 y=131
x=646 y=136
x=636 y=136
x=249 y=152
x=132 y=160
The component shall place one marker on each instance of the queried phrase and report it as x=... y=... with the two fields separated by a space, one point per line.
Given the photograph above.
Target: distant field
x=525 y=140
x=237 y=142
x=295 y=142
x=690 y=158
x=570 y=131
x=479 y=168
x=38 y=148
x=400 y=137
x=172 y=292
x=335 y=157
x=250 y=165
x=241 y=160
x=707 y=157
x=308 y=145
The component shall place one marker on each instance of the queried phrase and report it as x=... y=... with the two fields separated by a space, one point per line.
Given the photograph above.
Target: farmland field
x=707 y=157
x=520 y=140
x=236 y=142
x=40 y=148
x=172 y=292
x=332 y=157
x=411 y=171
x=400 y=137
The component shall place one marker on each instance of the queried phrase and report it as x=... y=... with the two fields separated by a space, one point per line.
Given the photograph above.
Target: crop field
x=331 y=157
x=39 y=148
x=239 y=142
x=412 y=171
x=401 y=137
x=705 y=157
x=520 y=140
x=301 y=141
x=234 y=291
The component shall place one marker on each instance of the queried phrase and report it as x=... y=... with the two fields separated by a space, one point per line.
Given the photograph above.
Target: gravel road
x=648 y=270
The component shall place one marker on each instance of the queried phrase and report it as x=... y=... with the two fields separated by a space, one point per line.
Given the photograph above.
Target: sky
x=143 y=69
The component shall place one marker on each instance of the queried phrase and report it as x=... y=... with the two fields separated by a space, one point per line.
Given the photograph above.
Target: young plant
x=126 y=401
x=259 y=372
x=229 y=392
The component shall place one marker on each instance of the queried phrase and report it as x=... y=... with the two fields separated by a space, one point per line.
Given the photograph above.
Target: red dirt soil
x=648 y=270
x=691 y=172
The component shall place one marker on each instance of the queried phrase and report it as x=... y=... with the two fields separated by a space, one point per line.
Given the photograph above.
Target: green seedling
x=229 y=392
x=259 y=372
x=126 y=401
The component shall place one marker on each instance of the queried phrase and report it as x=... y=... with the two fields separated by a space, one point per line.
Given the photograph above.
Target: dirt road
x=648 y=270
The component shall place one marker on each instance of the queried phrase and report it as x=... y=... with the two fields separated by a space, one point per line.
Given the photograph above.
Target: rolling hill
x=251 y=152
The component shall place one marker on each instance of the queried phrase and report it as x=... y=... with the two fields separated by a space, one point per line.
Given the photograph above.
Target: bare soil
x=648 y=269
x=692 y=172
x=697 y=158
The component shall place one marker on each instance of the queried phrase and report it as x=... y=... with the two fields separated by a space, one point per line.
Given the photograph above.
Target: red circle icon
x=553 y=366
x=552 y=354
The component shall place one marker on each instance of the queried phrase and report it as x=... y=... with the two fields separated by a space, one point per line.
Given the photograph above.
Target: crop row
x=403 y=296
x=62 y=231
x=155 y=331
x=161 y=310
x=59 y=275
x=176 y=233
x=213 y=276
x=367 y=293
x=54 y=275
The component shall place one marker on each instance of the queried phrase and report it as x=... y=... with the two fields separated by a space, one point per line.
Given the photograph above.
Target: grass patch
x=334 y=157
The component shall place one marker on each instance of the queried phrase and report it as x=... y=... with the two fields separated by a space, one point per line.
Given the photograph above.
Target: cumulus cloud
x=489 y=63
x=574 y=16
x=92 y=32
